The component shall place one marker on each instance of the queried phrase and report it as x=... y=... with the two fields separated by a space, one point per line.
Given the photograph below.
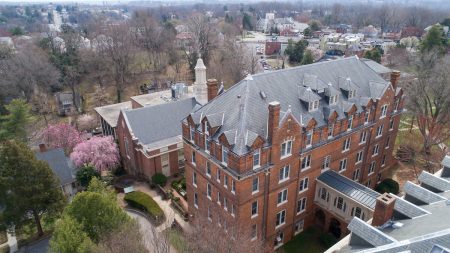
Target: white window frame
x=195 y=200
x=254 y=232
x=371 y=168
x=280 y=219
x=380 y=129
x=343 y=165
x=257 y=157
x=302 y=203
x=303 y=185
x=306 y=162
x=255 y=179
x=224 y=155
x=383 y=161
x=208 y=169
x=350 y=123
x=330 y=131
x=388 y=142
x=209 y=191
x=375 y=150
x=193 y=158
x=384 y=111
x=207 y=144
x=192 y=134
x=309 y=138
x=391 y=124
x=287 y=150
x=219 y=196
x=233 y=186
x=356 y=174
x=194 y=179
x=218 y=175
x=299 y=226
x=282 y=197
x=283 y=174
x=313 y=106
x=253 y=215
x=346 y=146
x=326 y=163
x=367 y=116
x=225 y=180
x=359 y=157
x=362 y=137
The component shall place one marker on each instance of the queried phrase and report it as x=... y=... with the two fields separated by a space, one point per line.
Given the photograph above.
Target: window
x=303 y=186
x=207 y=144
x=195 y=200
x=351 y=93
x=350 y=123
x=340 y=204
x=309 y=136
x=359 y=156
x=371 y=167
x=194 y=179
x=218 y=197
x=368 y=183
x=306 y=162
x=281 y=218
x=375 y=150
x=397 y=102
x=312 y=106
x=192 y=134
x=218 y=175
x=323 y=193
x=330 y=131
x=193 y=157
x=343 y=164
x=233 y=210
x=355 y=176
x=224 y=155
x=208 y=169
x=356 y=212
x=383 y=161
x=279 y=240
x=254 y=232
x=367 y=116
x=225 y=181
x=254 y=209
x=391 y=124
x=388 y=140
x=286 y=148
x=301 y=205
x=233 y=186
x=383 y=111
x=225 y=204
x=284 y=173
x=127 y=147
x=326 y=162
x=362 y=137
x=256 y=159
x=209 y=214
x=346 y=145
x=255 y=185
x=333 y=99
x=208 y=191
x=299 y=226
x=378 y=177
x=282 y=197
x=379 y=131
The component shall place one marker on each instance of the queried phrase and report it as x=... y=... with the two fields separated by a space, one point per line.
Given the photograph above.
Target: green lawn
x=308 y=241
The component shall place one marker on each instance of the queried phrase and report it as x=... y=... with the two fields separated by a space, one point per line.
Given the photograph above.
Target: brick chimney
x=395 y=77
x=213 y=88
x=274 y=118
x=42 y=148
x=384 y=209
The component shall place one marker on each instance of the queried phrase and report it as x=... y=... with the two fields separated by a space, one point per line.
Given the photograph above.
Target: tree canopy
x=85 y=174
x=374 y=54
x=296 y=50
x=434 y=40
x=101 y=152
x=14 y=124
x=28 y=187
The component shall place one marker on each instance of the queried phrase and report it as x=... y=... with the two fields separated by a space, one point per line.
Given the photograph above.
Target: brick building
x=254 y=153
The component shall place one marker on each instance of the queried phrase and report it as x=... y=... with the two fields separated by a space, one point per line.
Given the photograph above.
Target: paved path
x=12 y=242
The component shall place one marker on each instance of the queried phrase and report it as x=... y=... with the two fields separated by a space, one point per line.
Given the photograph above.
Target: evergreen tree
x=14 y=124
x=295 y=51
x=374 y=54
x=28 y=187
x=85 y=174
x=434 y=40
x=307 y=58
x=247 y=22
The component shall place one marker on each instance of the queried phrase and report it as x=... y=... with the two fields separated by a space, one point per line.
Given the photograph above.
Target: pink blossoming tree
x=101 y=152
x=61 y=135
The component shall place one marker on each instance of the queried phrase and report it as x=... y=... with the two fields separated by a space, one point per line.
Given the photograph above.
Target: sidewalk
x=12 y=242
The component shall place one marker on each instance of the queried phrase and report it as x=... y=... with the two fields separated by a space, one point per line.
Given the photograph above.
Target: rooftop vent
x=263 y=94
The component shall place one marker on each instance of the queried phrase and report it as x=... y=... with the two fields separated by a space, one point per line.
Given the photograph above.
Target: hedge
x=388 y=185
x=145 y=203
x=159 y=179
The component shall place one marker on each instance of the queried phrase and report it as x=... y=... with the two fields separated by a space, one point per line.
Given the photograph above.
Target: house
x=255 y=153
x=343 y=28
x=415 y=222
x=272 y=47
x=65 y=103
x=411 y=31
x=62 y=167
x=183 y=39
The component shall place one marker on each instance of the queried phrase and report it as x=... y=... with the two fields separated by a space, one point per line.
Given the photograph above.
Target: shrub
x=159 y=179
x=388 y=185
x=145 y=203
x=327 y=240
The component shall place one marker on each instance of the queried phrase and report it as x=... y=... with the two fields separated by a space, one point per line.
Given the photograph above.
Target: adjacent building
x=416 y=222
x=257 y=154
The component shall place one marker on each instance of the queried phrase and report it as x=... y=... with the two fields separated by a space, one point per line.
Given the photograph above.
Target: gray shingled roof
x=407 y=208
x=154 y=123
x=421 y=193
x=110 y=113
x=435 y=182
x=370 y=234
x=446 y=161
x=60 y=164
x=380 y=69
x=350 y=188
x=245 y=108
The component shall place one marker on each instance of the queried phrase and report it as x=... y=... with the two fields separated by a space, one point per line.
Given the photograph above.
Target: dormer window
x=224 y=155
x=333 y=99
x=256 y=159
x=192 y=134
x=206 y=128
x=314 y=105
x=351 y=94
x=350 y=123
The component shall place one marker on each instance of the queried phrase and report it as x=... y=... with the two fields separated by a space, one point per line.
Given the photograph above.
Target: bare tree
x=429 y=100
x=126 y=238
x=118 y=48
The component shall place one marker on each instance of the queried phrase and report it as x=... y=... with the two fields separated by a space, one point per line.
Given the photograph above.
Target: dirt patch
x=403 y=172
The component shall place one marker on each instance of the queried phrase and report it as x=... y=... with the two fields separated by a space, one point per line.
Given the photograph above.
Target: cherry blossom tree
x=101 y=152
x=61 y=135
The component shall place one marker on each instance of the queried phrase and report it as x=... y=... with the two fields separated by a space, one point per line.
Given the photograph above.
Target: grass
x=307 y=241
x=4 y=249
x=3 y=237
x=176 y=239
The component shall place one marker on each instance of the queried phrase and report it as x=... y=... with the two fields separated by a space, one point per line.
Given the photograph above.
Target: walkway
x=12 y=242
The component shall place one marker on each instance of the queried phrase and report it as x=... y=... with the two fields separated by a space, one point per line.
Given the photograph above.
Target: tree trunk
x=37 y=220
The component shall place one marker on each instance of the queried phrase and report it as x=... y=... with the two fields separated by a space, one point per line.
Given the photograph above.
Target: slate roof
x=245 y=108
x=421 y=193
x=350 y=188
x=446 y=161
x=435 y=182
x=370 y=234
x=154 y=123
x=60 y=164
x=407 y=208
x=110 y=113
x=380 y=69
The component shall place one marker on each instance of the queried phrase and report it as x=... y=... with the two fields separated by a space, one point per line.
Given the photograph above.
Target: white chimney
x=200 y=88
